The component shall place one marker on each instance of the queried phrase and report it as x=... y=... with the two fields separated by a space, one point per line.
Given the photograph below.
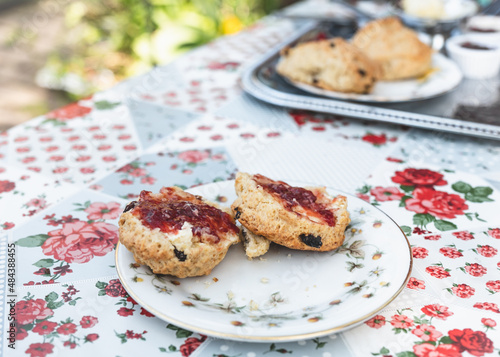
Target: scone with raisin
x=397 y=49
x=332 y=64
x=295 y=217
x=174 y=232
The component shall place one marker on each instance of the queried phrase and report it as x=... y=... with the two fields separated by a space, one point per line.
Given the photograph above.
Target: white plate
x=445 y=76
x=287 y=295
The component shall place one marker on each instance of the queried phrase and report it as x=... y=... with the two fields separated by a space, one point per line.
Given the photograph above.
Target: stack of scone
x=174 y=232
x=382 y=50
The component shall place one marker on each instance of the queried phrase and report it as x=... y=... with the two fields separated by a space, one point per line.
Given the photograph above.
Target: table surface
x=66 y=176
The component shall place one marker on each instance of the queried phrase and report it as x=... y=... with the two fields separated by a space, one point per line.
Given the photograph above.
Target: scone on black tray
x=295 y=217
x=174 y=232
x=254 y=244
x=332 y=64
x=396 y=48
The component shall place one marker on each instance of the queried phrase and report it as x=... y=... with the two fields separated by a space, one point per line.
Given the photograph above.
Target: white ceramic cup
x=475 y=63
x=488 y=23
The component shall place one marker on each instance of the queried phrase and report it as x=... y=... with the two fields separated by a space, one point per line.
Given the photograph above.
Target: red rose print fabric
x=69 y=112
x=6 y=186
x=60 y=246
x=194 y=156
x=455 y=255
x=474 y=342
x=190 y=345
x=419 y=178
x=375 y=139
x=28 y=311
x=436 y=203
x=428 y=333
x=382 y=194
x=79 y=242
x=76 y=143
x=41 y=327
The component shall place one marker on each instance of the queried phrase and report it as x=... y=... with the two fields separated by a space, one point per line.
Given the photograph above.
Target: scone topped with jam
x=177 y=233
x=332 y=64
x=295 y=217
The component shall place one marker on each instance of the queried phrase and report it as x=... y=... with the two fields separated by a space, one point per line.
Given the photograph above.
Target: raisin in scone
x=329 y=64
x=254 y=244
x=295 y=217
x=397 y=49
x=174 y=232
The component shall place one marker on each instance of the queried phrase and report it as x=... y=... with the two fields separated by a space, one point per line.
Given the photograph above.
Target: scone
x=329 y=64
x=254 y=244
x=174 y=232
x=395 y=48
x=295 y=217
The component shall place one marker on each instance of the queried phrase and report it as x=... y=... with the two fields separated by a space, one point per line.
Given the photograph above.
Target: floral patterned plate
x=442 y=78
x=286 y=294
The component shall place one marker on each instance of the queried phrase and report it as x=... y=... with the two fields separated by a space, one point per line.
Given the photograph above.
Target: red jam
x=474 y=46
x=296 y=196
x=482 y=30
x=170 y=210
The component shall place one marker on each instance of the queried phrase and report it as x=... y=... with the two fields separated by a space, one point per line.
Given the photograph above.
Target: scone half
x=295 y=217
x=395 y=48
x=332 y=64
x=174 y=232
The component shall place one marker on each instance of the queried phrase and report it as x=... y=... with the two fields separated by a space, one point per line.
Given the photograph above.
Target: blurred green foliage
x=108 y=40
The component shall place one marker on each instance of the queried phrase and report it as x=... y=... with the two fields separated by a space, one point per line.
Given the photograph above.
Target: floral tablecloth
x=65 y=177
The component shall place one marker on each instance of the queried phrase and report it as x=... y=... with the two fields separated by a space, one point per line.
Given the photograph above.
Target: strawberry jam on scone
x=177 y=233
x=295 y=217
